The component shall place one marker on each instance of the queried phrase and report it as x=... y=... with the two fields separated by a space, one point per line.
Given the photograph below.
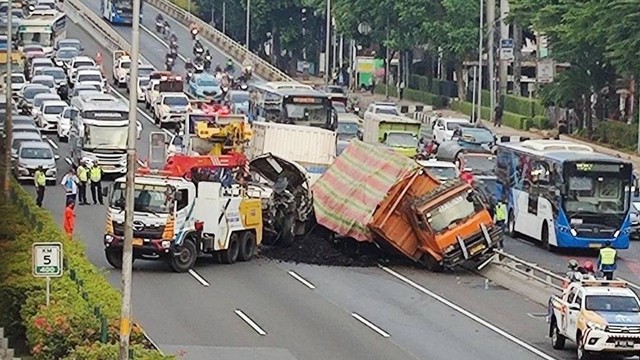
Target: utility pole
x=387 y=64
x=480 y=51
x=491 y=22
x=504 y=34
x=248 y=23
x=327 y=47
x=127 y=250
x=224 y=17
x=9 y=121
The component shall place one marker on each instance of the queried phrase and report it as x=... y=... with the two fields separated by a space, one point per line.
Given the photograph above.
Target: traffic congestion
x=231 y=166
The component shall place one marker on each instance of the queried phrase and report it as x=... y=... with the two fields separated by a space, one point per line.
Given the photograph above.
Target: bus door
x=539 y=206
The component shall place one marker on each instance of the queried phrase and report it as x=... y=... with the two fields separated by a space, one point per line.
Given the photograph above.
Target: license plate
x=476 y=249
x=108 y=167
x=626 y=344
x=595 y=246
x=137 y=242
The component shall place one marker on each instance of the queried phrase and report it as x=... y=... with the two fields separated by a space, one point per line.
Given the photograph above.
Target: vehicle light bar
x=604 y=283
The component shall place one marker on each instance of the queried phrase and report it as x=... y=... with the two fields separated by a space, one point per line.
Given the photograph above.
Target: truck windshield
x=404 y=140
x=451 y=212
x=148 y=198
x=105 y=137
x=611 y=303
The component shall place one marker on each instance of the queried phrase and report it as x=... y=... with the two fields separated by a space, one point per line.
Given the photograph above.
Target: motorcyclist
x=173 y=37
x=166 y=28
x=573 y=274
x=229 y=66
x=198 y=64
x=159 y=23
x=197 y=47
x=159 y=19
x=587 y=269
x=247 y=67
x=169 y=60
x=188 y=65
x=193 y=29
x=207 y=60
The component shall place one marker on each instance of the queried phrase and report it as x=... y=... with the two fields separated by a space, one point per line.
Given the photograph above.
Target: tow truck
x=121 y=67
x=171 y=106
x=600 y=316
x=189 y=208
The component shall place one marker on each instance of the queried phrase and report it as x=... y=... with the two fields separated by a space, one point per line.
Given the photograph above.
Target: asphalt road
x=349 y=313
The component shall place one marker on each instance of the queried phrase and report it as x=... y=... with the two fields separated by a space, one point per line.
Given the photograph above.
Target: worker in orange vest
x=69 y=218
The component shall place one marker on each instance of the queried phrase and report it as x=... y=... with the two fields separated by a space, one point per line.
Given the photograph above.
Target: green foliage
x=613 y=134
x=76 y=310
x=423 y=97
x=98 y=351
x=455 y=28
x=512 y=120
x=523 y=106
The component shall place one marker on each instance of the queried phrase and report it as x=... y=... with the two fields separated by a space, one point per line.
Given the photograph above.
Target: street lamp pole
x=9 y=122
x=127 y=251
x=480 y=49
x=246 y=41
x=327 y=48
x=224 y=17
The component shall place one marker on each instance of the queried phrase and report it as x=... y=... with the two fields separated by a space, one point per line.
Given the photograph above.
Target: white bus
x=99 y=131
x=44 y=28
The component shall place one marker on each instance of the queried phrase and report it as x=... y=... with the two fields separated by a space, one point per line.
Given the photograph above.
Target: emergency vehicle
x=172 y=105
x=190 y=208
x=600 y=316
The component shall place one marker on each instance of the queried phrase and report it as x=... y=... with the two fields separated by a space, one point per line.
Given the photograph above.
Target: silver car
x=18 y=138
x=32 y=155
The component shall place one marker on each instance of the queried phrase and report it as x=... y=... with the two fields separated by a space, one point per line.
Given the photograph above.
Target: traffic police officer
x=40 y=181
x=95 y=176
x=607 y=260
x=500 y=213
x=83 y=176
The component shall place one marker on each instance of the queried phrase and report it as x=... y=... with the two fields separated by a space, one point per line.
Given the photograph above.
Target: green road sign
x=47 y=259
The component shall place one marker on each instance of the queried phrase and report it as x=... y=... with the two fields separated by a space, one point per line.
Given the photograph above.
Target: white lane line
x=161 y=41
x=118 y=94
x=167 y=131
x=197 y=276
x=52 y=143
x=250 y=322
x=371 y=325
x=68 y=161
x=302 y=280
x=468 y=314
x=140 y=162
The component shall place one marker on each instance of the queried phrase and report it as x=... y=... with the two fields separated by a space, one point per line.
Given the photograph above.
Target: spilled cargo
x=372 y=193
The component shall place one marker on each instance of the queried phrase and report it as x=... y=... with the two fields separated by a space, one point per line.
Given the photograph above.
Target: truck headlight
x=574 y=232
x=108 y=238
x=166 y=244
x=596 y=326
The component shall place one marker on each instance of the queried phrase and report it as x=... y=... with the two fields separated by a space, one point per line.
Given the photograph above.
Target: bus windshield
x=307 y=112
x=148 y=198
x=596 y=195
x=124 y=5
x=105 y=137
x=44 y=38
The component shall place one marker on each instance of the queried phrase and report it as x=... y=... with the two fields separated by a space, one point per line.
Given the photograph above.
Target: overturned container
x=372 y=193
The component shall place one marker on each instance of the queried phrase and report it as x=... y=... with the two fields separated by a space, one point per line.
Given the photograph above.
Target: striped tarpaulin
x=347 y=194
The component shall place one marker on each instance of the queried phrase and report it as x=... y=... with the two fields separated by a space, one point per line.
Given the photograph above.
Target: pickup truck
x=602 y=317
x=171 y=108
x=121 y=67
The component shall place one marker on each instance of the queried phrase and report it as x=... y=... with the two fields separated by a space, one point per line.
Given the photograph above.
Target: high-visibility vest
x=83 y=173
x=40 y=178
x=607 y=256
x=95 y=174
x=501 y=212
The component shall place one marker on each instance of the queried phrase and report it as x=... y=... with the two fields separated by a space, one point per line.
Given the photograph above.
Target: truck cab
x=599 y=316
x=178 y=219
x=397 y=132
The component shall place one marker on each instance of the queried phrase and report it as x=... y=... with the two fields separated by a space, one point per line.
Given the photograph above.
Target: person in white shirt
x=70 y=184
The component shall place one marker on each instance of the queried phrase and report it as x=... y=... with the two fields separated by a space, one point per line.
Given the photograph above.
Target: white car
x=443 y=128
x=384 y=108
x=18 y=81
x=442 y=170
x=77 y=62
x=59 y=75
x=91 y=77
x=64 y=123
x=143 y=83
x=46 y=80
x=39 y=63
x=151 y=93
x=39 y=99
x=144 y=71
x=49 y=114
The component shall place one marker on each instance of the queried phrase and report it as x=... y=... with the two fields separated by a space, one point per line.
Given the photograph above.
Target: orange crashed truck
x=371 y=193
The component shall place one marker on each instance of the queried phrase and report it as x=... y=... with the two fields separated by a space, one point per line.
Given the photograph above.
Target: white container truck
x=312 y=148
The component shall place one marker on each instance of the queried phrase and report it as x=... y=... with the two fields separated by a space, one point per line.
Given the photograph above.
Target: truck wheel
x=581 y=353
x=115 y=81
x=247 y=246
x=428 y=262
x=186 y=258
x=544 y=237
x=287 y=235
x=230 y=255
x=511 y=224
x=114 y=257
x=147 y=105
x=557 y=339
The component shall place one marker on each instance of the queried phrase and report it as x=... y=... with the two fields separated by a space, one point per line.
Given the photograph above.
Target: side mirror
x=56 y=156
x=574 y=307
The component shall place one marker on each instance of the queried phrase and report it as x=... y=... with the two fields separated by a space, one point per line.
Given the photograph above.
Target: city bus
x=44 y=28
x=300 y=105
x=564 y=194
x=118 y=11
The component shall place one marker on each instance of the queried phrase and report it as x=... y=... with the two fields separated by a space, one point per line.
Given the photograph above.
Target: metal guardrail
x=225 y=43
x=530 y=270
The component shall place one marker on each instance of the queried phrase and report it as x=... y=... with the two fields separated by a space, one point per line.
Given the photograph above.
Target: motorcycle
x=247 y=72
x=159 y=26
x=198 y=66
x=174 y=53
x=207 y=63
x=169 y=63
x=189 y=74
x=194 y=33
x=198 y=50
x=166 y=31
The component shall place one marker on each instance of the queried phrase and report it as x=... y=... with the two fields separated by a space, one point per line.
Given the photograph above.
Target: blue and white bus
x=118 y=11
x=564 y=194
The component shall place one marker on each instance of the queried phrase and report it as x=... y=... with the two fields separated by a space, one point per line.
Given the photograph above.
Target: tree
x=622 y=43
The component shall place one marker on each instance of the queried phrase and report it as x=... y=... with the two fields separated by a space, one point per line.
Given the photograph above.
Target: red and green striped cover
x=347 y=194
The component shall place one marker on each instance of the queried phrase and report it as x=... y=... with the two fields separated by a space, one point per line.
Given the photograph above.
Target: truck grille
x=476 y=245
x=621 y=329
x=110 y=161
x=145 y=232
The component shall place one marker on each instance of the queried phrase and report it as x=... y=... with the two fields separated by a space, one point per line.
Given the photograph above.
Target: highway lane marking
x=250 y=322
x=371 y=325
x=197 y=276
x=301 y=279
x=68 y=161
x=468 y=314
x=141 y=163
x=52 y=143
